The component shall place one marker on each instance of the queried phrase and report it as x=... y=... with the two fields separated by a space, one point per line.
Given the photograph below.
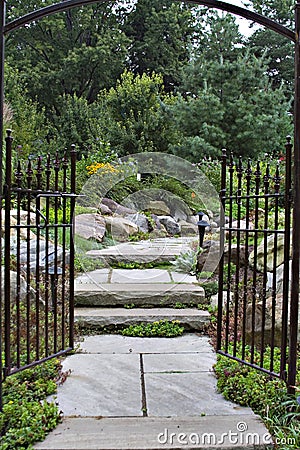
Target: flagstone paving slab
x=178 y=277
x=99 y=276
x=174 y=362
x=101 y=385
x=187 y=394
x=108 y=343
x=140 y=276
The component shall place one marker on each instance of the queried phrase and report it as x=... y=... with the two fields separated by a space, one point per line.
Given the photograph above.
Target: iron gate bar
x=266 y=183
x=287 y=226
x=296 y=215
x=32 y=341
x=245 y=280
x=222 y=197
x=257 y=175
x=29 y=175
x=235 y=329
x=7 y=195
x=72 y=246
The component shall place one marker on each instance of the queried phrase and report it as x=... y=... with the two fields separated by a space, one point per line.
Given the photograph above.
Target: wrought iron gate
x=254 y=276
x=38 y=274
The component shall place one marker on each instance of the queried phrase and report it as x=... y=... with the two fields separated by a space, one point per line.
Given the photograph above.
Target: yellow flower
x=105 y=168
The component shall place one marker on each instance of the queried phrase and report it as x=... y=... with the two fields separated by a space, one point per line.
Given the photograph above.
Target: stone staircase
x=109 y=298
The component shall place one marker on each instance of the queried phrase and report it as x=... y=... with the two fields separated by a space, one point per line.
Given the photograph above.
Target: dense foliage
x=171 y=77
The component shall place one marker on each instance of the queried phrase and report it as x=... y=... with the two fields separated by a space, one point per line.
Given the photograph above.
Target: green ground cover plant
x=161 y=328
x=266 y=396
x=27 y=417
x=135 y=265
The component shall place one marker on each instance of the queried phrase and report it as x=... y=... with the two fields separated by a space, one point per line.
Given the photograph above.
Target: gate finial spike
x=288 y=145
x=29 y=168
x=65 y=159
x=48 y=162
x=56 y=162
x=240 y=165
x=39 y=166
x=277 y=178
x=18 y=172
x=267 y=174
x=258 y=171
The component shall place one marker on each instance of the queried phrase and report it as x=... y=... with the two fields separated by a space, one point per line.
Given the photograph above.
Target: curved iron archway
x=242 y=12
x=237 y=10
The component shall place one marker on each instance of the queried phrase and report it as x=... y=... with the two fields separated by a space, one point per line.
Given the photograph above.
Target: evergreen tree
x=161 y=33
x=231 y=102
x=135 y=115
x=276 y=49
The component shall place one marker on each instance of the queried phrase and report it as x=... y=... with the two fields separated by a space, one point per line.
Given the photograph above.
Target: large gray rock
x=179 y=210
x=268 y=320
x=158 y=207
x=170 y=225
x=270 y=256
x=116 y=208
x=105 y=210
x=237 y=254
x=120 y=227
x=90 y=226
x=15 y=289
x=187 y=228
x=23 y=215
x=258 y=321
x=140 y=220
x=209 y=257
x=25 y=233
x=192 y=219
x=44 y=253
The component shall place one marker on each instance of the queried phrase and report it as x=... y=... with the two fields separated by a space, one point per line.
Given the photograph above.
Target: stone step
x=156 y=250
x=111 y=318
x=154 y=433
x=140 y=294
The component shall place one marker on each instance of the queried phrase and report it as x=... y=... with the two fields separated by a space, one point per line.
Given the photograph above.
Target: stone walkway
x=131 y=393
x=145 y=393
